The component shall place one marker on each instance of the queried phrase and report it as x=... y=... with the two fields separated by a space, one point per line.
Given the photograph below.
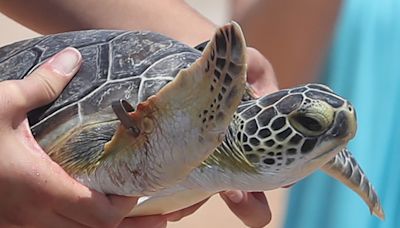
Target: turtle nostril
x=350 y=106
x=351 y=109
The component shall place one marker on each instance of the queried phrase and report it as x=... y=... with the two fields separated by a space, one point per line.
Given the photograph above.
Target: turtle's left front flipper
x=345 y=168
x=173 y=131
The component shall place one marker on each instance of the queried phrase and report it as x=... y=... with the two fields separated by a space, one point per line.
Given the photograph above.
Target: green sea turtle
x=149 y=116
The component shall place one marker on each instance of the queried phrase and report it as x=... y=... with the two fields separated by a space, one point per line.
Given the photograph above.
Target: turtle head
x=293 y=132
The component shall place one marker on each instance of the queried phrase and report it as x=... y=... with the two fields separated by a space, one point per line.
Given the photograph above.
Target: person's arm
x=174 y=18
x=293 y=35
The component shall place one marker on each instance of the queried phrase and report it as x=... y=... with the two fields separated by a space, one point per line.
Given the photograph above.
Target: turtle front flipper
x=345 y=168
x=177 y=128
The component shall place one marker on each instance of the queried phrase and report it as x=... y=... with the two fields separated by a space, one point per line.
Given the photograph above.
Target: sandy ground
x=214 y=213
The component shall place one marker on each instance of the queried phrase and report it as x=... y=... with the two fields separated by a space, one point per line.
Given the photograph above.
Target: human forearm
x=173 y=18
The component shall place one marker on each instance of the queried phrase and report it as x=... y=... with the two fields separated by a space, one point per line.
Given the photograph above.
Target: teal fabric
x=363 y=66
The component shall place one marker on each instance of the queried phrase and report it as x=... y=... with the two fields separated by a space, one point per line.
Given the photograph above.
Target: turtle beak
x=345 y=125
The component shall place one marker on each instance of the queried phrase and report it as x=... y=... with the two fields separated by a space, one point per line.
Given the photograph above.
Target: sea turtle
x=149 y=116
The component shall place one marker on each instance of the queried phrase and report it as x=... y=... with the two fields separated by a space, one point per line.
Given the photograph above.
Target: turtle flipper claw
x=121 y=109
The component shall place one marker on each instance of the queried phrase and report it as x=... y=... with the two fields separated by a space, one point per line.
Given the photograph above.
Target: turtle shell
x=116 y=65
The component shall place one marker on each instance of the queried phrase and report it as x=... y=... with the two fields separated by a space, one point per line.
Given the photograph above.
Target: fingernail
x=66 y=62
x=234 y=196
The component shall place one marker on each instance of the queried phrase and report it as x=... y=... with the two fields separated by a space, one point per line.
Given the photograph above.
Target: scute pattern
x=134 y=53
x=16 y=48
x=12 y=68
x=80 y=87
x=100 y=99
x=123 y=62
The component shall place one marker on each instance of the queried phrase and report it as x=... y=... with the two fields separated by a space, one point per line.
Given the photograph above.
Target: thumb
x=47 y=82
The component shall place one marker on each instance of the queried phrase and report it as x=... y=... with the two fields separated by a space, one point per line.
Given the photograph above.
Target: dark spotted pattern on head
x=308 y=145
x=284 y=134
x=295 y=139
x=265 y=116
x=269 y=143
x=278 y=123
x=244 y=105
x=272 y=99
x=244 y=138
x=330 y=99
x=254 y=141
x=246 y=147
x=291 y=151
x=270 y=138
x=289 y=103
x=269 y=161
x=298 y=90
x=251 y=112
x=320 y=87
x=264 y=133
x=251 y=127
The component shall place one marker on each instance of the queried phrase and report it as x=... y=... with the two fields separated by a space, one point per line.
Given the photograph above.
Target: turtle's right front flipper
x=345 y=168
x=180 y=126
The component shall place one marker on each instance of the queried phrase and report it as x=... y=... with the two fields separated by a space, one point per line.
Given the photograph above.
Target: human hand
x=260 y=74
x=35 y=191
x=250 y=207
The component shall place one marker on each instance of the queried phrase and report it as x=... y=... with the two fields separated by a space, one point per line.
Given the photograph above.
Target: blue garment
x=363 y=66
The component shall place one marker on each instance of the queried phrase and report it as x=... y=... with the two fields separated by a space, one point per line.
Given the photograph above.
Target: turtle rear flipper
x=179 y=126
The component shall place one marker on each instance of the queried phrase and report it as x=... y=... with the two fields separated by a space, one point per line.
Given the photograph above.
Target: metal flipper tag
x=121 y=109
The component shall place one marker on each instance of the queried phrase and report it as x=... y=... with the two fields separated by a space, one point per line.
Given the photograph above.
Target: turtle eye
x=313 y=121
x=307 y=125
